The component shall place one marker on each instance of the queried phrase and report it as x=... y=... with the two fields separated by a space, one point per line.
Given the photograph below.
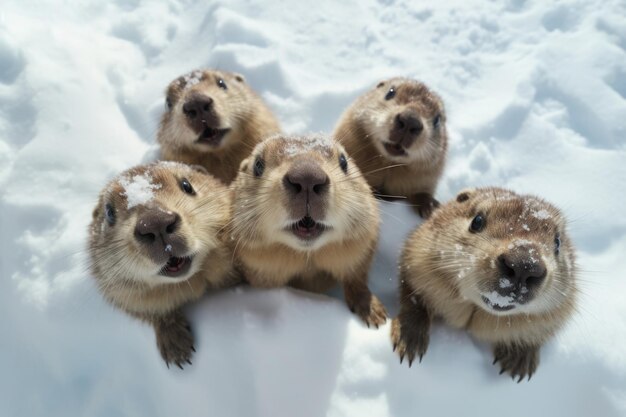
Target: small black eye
x=478 y=223
x=168 y=103
x=221 y=84
x=186 y=187
x=343 y=163
x=557 y=244
x=259 y=167
x=437 y=121
x=109 y=213
x=390 y=94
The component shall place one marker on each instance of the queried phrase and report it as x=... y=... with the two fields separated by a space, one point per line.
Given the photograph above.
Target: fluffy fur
x=450 y=271
x=272 y=256
x=236 y=108
x=130 y=279
x=365 y=127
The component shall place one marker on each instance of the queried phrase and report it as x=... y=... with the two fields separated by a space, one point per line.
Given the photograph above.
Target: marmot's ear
x=465 y=195
x=380 y=84
x=239 y=77
x=244 y=164
x=200 y=169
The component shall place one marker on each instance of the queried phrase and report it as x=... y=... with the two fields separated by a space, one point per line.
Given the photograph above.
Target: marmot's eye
x=478 y=223
x=221 y=84
x=343 y=163
x=557 y=244
x=390 y=94
x=109 y=213
x=185 y=185
x=168 y=103
x=259 y=167
x=437 y=121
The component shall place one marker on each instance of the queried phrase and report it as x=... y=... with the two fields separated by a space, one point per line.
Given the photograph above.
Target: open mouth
x=211 y=136
x=175 y=266
x=394 y=149
x=307 y=228
x=497 y=307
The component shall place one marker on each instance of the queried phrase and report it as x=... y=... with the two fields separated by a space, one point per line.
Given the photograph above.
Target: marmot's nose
x=306 y=177
x=409 y=123
x=522 y=269
x=198 y=105
x=154 y=223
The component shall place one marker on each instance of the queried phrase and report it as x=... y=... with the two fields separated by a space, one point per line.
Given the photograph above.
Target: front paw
x=518 y=361
x=410 y=340
x=424 y=204
x=174 y=339
x=369 y=309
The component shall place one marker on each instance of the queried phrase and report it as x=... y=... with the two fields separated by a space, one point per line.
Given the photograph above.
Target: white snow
x=505 y=283
x=495 y=298
x=138 y=189
x=299 y=145
x=191 y=79
x=536 y=101
x=542 y=214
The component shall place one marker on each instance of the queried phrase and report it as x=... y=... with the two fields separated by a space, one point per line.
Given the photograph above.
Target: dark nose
x=408 y=123
x=155 y=225
x=198 y=106
x=306 y=177
x=522 y=267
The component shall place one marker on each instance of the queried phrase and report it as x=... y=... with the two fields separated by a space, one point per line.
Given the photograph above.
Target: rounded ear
x=240 y=78
x=244 y=164
x=465 y=195
x=380 y=84
x=200 y=169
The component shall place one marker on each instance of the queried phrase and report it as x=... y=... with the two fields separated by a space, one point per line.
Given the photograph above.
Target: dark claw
x=189 y=362
x=401 y=358
x=421 y=356
x=520 y=379
x=192 y=348
x=502 y=371
x=410 y=362
x=179 y=365
x=168 y=365
x=495 y=360
x=188 y=327
x=395 y=345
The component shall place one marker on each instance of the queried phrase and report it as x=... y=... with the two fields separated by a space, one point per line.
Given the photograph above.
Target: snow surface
x=536 y=99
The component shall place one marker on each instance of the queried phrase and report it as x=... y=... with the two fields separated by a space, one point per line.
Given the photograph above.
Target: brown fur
x=271 y=256
x=126 y=275
x=238 y=108
x=445 y=268
x=366 y=124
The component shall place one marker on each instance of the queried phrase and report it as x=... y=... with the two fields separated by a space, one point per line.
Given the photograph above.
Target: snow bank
x=536 y=96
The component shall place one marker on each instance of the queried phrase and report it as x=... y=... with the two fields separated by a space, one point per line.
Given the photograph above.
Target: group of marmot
x=234 y=201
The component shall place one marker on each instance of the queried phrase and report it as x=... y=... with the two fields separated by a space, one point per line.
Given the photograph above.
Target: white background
x=536 y=98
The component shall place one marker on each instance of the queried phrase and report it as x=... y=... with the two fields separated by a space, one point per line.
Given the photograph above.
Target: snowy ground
x=536 y=94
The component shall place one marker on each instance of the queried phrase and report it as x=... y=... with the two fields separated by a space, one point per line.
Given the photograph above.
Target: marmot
x=397 y=135
x=213 y=119
x=157 y=242
x=303 y=215
x=496 y=263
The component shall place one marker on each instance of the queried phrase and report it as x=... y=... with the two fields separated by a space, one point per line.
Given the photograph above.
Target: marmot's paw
x=410 y=340
x=370 y=309
x=424 y=204
x=175 y=340
x=518 y=361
